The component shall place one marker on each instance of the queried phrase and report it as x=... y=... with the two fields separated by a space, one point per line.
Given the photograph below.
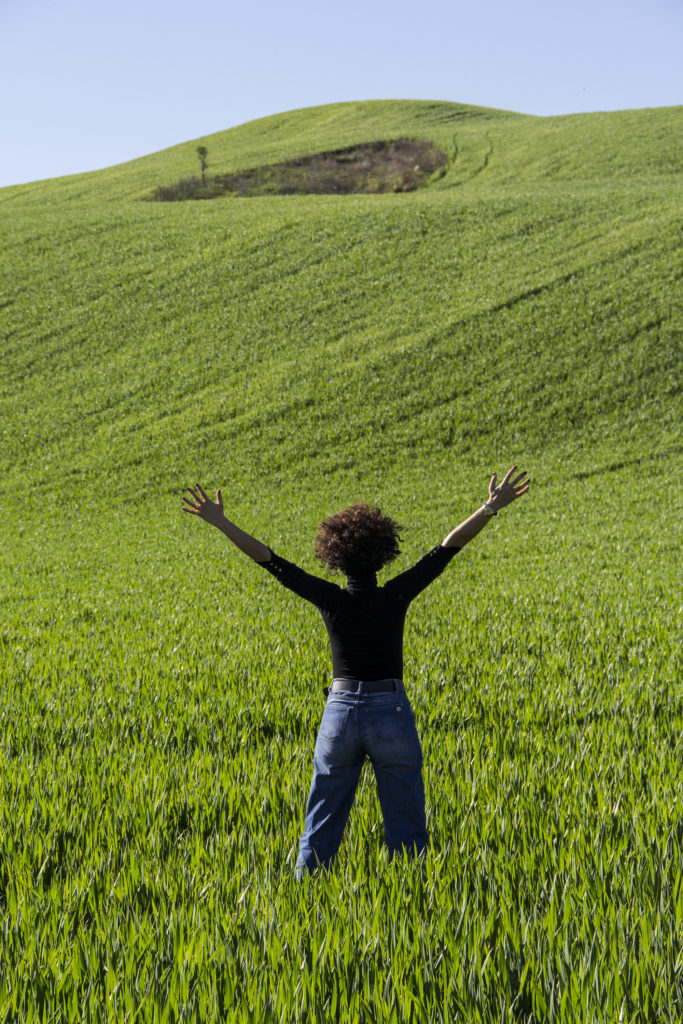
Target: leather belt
x=360 y=686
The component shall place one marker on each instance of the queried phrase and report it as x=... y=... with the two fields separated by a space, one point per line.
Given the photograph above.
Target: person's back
x=364 y=620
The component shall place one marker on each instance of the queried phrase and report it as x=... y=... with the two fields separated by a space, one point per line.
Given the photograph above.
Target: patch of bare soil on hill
x=401 y=165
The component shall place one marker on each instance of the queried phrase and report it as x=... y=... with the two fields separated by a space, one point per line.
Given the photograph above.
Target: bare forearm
x=196 y=502
x=500 y=495
x=246 y=543
x=468 y=529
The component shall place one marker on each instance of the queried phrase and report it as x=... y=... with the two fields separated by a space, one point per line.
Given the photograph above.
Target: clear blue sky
x=86 y=84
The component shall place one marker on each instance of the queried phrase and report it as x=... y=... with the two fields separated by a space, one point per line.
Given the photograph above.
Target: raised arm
x=500 y=495
x=198 y=503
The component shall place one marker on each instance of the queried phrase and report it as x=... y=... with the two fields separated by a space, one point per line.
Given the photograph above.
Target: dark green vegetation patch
x=401 y=165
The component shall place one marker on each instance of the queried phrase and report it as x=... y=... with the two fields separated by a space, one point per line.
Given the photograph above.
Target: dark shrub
x=401 y=165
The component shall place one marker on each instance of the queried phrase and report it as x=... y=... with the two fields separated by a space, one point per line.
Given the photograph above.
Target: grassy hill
x=303 y=352
x=527 y=305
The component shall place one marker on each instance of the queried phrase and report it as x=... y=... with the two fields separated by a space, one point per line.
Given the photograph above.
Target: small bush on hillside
x=187 y=188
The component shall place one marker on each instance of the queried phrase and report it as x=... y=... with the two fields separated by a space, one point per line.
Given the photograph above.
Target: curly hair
x=357 y=540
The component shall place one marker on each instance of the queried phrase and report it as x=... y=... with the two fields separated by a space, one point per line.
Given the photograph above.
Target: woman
x=367 y=712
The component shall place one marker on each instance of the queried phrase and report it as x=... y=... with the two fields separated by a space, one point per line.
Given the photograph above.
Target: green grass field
x=160 y=694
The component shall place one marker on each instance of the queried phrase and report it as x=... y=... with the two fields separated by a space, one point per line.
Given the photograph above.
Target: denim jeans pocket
x=333 y=724
x=388 y=722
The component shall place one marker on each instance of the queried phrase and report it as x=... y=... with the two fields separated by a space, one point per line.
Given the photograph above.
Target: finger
x=519 y=478
x=521 y=490
x=202 y=492
x=506 y=478
x=219 y=497
x=194 y=495
x=492 y=485
x=192 y=511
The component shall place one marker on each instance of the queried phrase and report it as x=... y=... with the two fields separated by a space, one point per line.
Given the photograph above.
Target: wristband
x=488 y=511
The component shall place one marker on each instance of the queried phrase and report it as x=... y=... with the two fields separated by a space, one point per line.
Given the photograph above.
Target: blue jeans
x=381 y=726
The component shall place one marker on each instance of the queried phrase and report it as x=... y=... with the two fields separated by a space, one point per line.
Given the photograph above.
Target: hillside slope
x=529 y=299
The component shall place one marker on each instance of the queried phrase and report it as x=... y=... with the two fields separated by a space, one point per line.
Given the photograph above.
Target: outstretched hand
x=505 y=492
x=200 y=504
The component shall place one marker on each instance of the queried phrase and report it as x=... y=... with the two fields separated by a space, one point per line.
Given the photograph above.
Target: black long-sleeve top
x=364 y=621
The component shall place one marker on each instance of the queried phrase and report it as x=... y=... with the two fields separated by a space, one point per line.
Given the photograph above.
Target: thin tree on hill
x=203 y=154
